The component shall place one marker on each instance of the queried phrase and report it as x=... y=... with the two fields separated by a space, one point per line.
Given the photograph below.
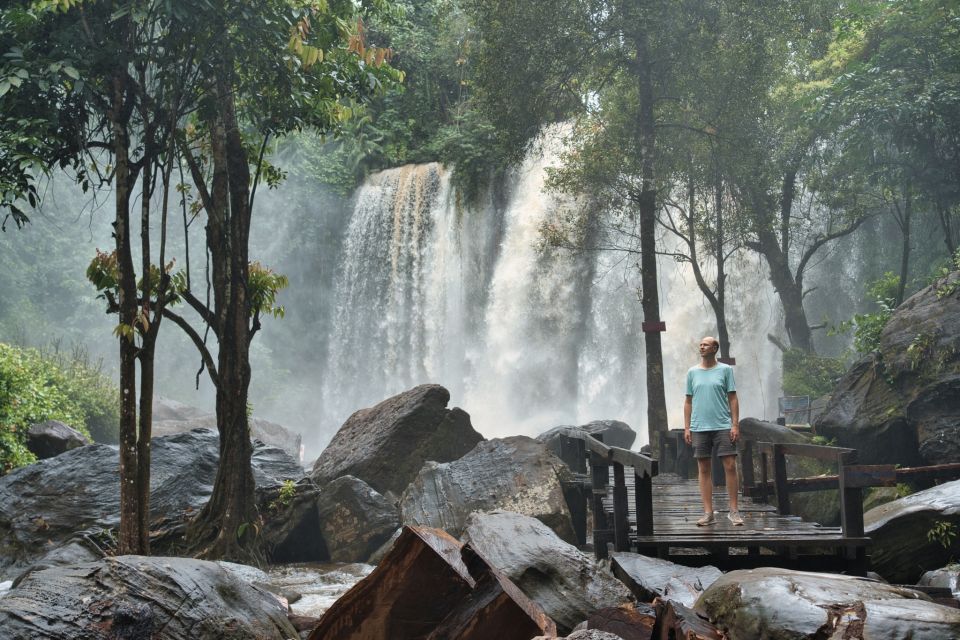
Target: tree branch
x=198 y=343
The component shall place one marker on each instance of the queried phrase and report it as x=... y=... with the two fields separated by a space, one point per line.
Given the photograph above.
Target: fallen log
x=674 y=620
x=628 y=621
x=431 y=586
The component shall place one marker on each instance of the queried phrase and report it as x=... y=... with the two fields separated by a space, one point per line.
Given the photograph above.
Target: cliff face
x=901 y=404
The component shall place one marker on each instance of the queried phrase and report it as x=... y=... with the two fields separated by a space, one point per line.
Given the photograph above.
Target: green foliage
x=867 y=327
x=807 y=374
x=35 y=387
x=943 y=532
x=263 y=285
x=285 y=496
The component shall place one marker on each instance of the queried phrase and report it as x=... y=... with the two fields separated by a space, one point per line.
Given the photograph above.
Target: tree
x=282 y=68
x=104 y=78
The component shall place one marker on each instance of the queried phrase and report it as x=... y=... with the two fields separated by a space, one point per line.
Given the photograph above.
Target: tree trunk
x=904 y=221
x=943 y=213
x=647 y=205
x=227 y=526
x=128 y=539
x=776 y=252
x=720 y=308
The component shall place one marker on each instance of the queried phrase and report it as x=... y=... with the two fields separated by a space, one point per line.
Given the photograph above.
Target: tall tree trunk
x=647 y=205
x=904 y=222
x=943 y=213
x=776 y=252
x=128 y=541
x=720 y=308
x=227 y=526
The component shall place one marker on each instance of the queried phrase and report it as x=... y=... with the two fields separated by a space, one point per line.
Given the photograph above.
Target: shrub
x=35 y=388
x=807 y=374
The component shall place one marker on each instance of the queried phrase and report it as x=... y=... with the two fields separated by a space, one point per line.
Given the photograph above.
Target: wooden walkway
x=766 y=537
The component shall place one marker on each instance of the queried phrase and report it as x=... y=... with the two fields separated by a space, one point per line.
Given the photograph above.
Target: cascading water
x=524 y=337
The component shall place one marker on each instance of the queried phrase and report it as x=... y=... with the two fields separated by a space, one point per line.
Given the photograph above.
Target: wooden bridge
x=649 y=506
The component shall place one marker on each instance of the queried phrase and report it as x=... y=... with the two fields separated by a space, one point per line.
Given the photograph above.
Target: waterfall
x=525 y=337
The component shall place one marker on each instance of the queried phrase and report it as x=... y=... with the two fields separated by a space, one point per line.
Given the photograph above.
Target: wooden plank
x=643 y=501
x=851 y=503
x=856 y=476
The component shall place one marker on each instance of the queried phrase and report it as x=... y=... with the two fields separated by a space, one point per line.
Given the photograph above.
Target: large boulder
x=45 y=504
x=779 y=604
x=355 y=520
x=613 y=433
x=921 y=523
x=170 y=417
x=386 y=445
x=512 y=474
x=901 y=404
x=554 y=574
x=51 y=438
x=141 y=597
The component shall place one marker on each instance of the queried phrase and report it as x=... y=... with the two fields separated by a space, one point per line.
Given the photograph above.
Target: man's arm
x=687 y=410
x=734 y=415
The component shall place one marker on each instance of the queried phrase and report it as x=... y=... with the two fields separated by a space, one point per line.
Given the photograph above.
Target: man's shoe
x=735 y=518
x=708 y=519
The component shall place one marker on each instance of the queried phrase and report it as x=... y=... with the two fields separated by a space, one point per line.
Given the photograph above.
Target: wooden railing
x=579 y=450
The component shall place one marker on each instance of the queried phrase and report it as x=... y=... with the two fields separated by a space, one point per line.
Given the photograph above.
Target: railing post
x=780 y=479
x=746 y=467
x=851 y=499
x=764 y=476
x=643 y=497
x=600 y=475
x=621 y=514
x=573 y=453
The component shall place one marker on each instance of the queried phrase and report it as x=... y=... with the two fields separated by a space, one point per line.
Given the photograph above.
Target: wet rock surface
x=559 y=577
x=170 y=417
x=51 y=438
x=511 y=474
x=44 y=505
x=903 y=545
x=782 y=604
x=613 y=433
x=902 y=403
x=355 y=520
x=650 y=578
x=141 y=597
x=386 y=445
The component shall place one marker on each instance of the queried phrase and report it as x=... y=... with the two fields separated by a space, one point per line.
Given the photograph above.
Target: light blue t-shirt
x=711 y=404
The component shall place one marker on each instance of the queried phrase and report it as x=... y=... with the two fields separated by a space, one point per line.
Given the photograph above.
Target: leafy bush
x=35 y=388
x=867 y=327
x=806 y=374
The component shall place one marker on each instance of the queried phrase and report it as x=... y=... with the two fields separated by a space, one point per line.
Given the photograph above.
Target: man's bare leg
x=733 y=482
x=705 y=478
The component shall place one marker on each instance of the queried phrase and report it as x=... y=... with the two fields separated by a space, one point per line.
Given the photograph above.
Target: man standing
x=711 y=417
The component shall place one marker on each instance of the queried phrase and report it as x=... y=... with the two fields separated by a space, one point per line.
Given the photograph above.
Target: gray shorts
x=705 y=441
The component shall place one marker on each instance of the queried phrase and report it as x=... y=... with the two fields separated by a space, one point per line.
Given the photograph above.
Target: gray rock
x=141 y=597
x=902 y=403
x=650 y=578
x=907 y=523
x=51 y=438
x=613 y=433
x=512 y=474
x=763 y=431
x=355 y=520
x=556 y=575
x=945 y=578
x=779 y=604
x=44 y=505
x=386 y=445
x=170 y=417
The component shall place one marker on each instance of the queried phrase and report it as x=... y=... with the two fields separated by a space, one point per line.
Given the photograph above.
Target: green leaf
x=4 y=87
x=72 y=72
